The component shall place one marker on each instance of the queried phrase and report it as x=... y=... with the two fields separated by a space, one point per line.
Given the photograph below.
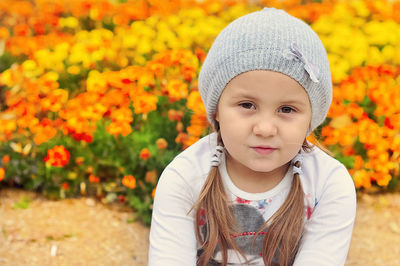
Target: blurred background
x=98 y=96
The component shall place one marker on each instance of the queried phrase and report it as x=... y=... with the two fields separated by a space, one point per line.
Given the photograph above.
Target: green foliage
x=23 y=203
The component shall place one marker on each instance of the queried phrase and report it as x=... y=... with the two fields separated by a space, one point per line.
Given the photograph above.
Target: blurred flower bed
x=97 y=97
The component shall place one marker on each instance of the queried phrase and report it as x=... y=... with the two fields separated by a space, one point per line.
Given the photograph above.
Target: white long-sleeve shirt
x=330 y=206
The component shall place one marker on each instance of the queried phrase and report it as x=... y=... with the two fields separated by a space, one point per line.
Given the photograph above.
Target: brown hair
x=283 y=230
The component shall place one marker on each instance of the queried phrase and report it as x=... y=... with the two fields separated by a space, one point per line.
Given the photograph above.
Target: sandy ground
x=86 y=232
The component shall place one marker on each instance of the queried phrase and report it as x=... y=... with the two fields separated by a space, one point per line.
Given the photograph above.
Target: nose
x=265 y=127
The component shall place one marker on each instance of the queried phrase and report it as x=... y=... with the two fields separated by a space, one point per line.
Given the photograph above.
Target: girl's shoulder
x=322 y=171
x=193 y=164
x=320 y=160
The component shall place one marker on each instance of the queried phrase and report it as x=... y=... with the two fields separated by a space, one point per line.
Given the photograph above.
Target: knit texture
x=264 y=40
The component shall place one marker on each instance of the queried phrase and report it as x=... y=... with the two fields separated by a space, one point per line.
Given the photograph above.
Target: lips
x=264 y=149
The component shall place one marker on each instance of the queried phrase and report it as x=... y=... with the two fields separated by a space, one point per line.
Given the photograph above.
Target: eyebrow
x=243 y=94
x=294 y=102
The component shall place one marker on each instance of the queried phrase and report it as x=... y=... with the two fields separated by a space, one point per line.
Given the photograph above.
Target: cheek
x=295 y=133
x=232 y=132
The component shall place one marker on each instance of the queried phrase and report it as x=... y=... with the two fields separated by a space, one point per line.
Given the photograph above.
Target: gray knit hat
x=269 y=39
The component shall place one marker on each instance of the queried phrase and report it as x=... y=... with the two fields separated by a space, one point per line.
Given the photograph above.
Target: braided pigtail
x=213 y=212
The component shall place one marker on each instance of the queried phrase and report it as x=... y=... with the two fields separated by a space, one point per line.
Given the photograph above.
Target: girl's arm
x=172 y=232
x=327 y=234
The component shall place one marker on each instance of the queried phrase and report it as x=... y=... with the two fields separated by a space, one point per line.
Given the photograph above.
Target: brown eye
x=286 y=109
x=247 y=105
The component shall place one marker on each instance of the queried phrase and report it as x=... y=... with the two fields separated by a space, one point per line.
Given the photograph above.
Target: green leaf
x=23 y=203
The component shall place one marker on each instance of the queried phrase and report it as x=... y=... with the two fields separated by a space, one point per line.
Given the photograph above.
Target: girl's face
x=263 y=117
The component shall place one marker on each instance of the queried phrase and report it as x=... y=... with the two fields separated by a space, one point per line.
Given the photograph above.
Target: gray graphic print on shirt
x=249 y=220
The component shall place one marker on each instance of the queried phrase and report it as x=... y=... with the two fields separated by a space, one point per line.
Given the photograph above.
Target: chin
x=261 y=168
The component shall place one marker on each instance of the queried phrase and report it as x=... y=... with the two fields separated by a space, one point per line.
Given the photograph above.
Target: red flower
x=57 y=156
x=65 y=186
x=94 y=179
x=6 y=159
x=145 y=154
x=388 y=123
x=121 y=198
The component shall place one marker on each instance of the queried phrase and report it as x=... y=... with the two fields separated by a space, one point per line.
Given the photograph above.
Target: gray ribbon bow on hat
x=295 y=53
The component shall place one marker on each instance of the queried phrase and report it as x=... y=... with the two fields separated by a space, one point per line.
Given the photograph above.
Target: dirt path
x=86 y=232
x=69 y=232
x=376 y=236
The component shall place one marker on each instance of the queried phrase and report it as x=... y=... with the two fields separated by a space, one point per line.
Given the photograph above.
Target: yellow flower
x=29 y=65
x=360 y=7
x=6 y=78
x=51 y=76
x=95 y=82
x=74 y=70
x=129 y=40
x=31 y=69
x=69 y=22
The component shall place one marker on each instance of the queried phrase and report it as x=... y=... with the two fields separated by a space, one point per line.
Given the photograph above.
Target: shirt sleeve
x=327 y=234
x=172 y=231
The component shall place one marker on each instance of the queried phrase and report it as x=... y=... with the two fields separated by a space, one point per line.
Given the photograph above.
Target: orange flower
x=362 y=179
x=4 y=33
x=57 y=156
x=45 y=131
x=2 y=173
x=161 y=144
x=90 y=169
x=198 y=124
x=358 y=162
x=151 y=177
x=190 y=141
x=156 y=68
x=195 y=103
x=179 y=126
x=6 y=159
x=94 y=179
x=181 y=138
x=144 y=103
x=129 y=181
x=201 y=54
x=55 y=100
x=177 y=90
x=116 y=128
x=21 y=29
x=145 y=154
x=153 y=193
x=79 y=160
x=175 y=115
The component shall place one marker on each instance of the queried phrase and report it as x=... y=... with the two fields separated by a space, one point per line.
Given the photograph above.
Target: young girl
x=255 y=192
